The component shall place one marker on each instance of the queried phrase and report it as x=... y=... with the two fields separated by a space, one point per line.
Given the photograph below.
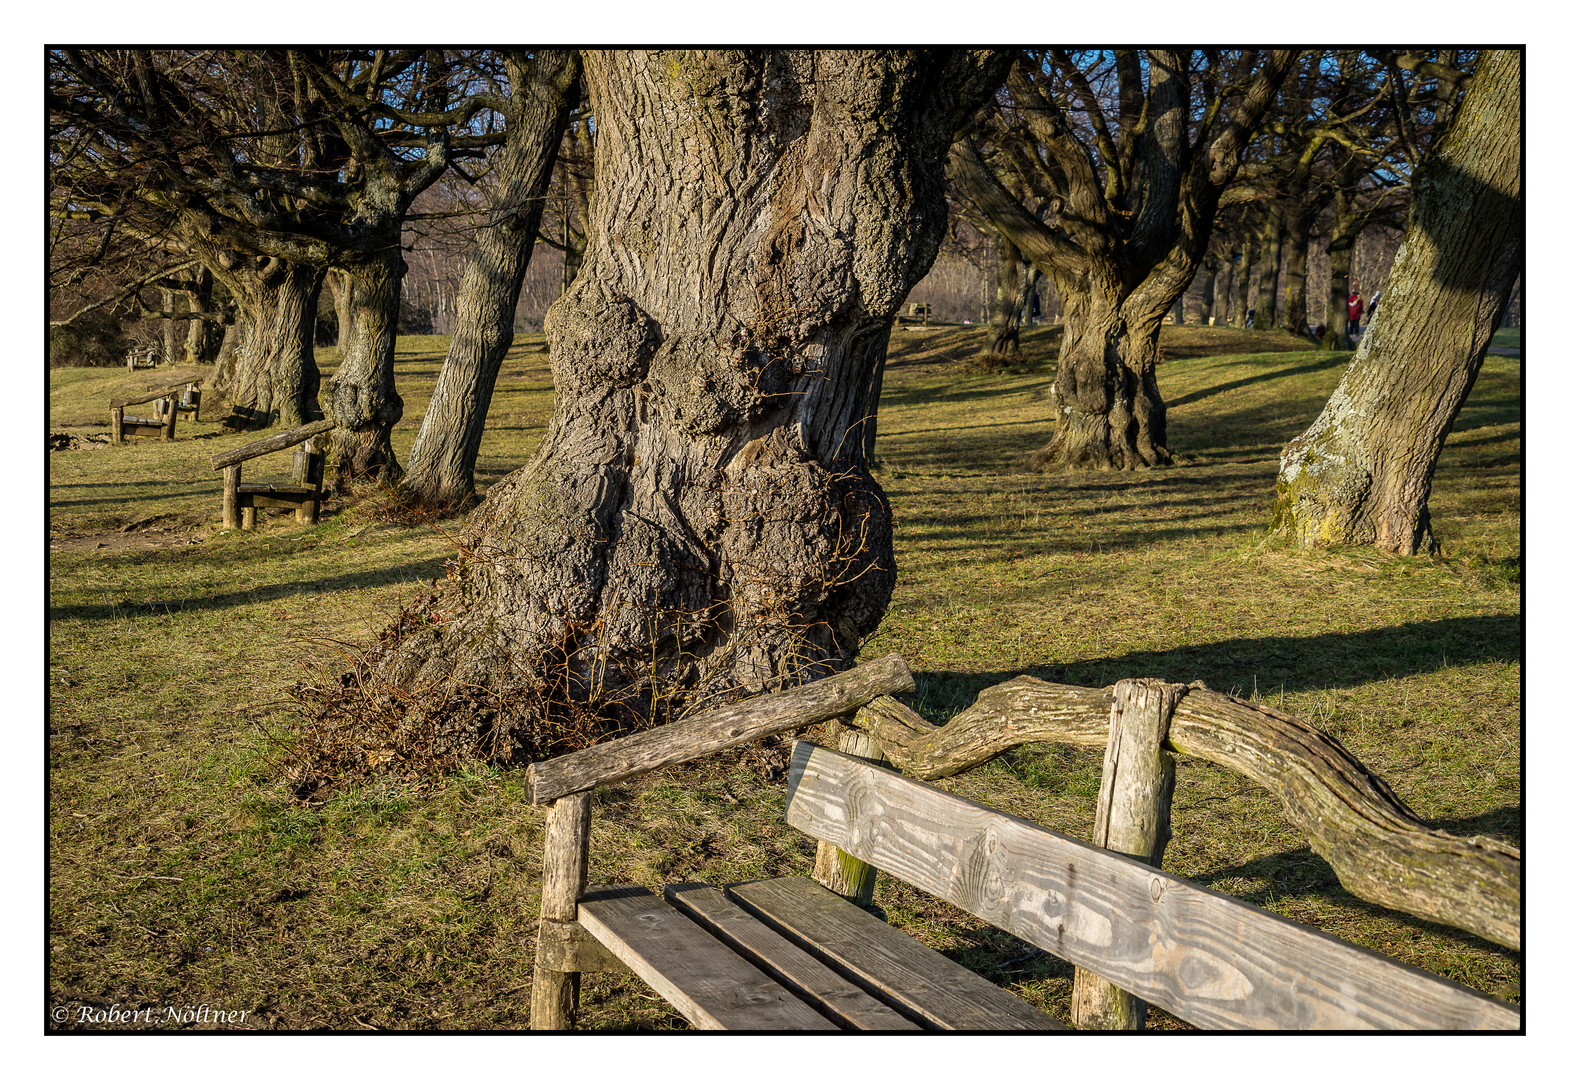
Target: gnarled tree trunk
x=700 y=515
x=1361 y=474
x=1008 y=297
x=273 y=378
x=365 y=400
x=441 y=465
x=1269 y=269
x=1110 y=414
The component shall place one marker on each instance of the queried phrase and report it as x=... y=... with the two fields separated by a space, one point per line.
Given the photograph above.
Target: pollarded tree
x=544 y=89
x=1132 y=195
x=1362 y=473
x=700 y=515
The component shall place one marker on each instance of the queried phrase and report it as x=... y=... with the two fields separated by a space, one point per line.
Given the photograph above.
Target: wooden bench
x=142 y=356
x=168 y=402
x=916 y=311
x=788 y=953
x=303 y=492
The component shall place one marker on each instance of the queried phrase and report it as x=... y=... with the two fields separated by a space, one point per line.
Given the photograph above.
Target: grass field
x=181 y=870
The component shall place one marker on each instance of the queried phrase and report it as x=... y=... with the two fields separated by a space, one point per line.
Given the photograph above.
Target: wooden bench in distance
x=168 y=402
x=304 y=491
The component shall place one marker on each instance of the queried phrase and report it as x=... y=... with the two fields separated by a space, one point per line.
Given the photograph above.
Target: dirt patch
x=61 y=440
x=159 y=531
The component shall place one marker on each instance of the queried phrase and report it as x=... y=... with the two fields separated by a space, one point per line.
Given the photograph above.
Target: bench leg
x=247 y=517
x=232 y=497
x=834 y=869
x=1133 y=817
x=117 y=426
x=553 y=1005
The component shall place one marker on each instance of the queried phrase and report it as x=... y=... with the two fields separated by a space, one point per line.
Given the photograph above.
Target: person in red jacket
x=1354 y=312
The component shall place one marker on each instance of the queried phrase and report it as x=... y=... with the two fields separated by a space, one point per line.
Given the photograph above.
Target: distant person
x=1249 y=322
x=1354 y=313
x=1373 y=305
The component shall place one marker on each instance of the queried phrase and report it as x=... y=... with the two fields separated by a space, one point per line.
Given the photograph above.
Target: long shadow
x=1333 y=360
x=1312 y=662
x=423 y=568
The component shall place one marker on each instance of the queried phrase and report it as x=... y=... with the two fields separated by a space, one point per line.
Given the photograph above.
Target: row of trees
x=700 y=515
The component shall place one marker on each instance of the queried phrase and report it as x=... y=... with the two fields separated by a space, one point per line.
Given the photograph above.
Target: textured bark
x=1294 y=272
x=441 y=464
x=699 y=517
x=1007 y=298
x=364 y=394
x=1222 y=292
x=1269 y=269
x=202 y=336
x=1207 y=291
x=272 y=376
x=1241 y=281
x=1362 y=473
x=1109 y=408
x=342 y=292
x=1378 y=848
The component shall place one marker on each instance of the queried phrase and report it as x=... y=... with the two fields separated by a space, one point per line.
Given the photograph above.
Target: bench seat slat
x=924 y=983
x=703 y=979
x=783 y=960
x=1208 y=958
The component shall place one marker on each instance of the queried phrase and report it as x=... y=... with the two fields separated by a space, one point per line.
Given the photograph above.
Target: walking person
x=1354 y=312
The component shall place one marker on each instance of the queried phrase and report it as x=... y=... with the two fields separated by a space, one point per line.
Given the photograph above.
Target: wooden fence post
x=834 y=869
x=554 y=1002
x=1133 y=817
x=117 y=425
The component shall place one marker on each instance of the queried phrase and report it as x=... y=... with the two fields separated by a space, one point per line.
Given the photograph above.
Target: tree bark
x=342 y=307
x=1110 y=414
x=1362 y=473
x=1294 y=277
x=1240 y=286
x=1269 y=269
x=1207 y=291
x=1223 y=290
x=273 y=378
x=1008 y=297
x=365 y=400
x=700 y=517
x=441 y=464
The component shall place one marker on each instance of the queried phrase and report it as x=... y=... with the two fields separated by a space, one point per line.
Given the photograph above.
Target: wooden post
x=1133 y=817
x=117 y=424
x=170 y=412
x=231 y=497
x=248 y=516
x=554 y=1001
x=837 y=870
x=308 y=472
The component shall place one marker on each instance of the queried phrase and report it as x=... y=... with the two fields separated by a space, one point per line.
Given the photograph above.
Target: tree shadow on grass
x=1274 y=663
x=421 y=568
x=1300 y=872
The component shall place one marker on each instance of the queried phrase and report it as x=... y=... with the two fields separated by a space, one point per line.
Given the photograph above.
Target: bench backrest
x=1207 y=958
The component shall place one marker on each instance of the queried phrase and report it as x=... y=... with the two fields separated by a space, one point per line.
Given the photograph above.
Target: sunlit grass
x=181 y=868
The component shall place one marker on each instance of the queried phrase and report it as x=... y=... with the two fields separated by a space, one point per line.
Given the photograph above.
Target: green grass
x=181 y=868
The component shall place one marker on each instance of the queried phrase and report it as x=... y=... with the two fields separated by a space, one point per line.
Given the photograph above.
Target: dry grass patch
x=182 y=868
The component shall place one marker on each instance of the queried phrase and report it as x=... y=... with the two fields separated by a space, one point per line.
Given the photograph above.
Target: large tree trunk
x=1222 y=291
x=365 y=401
x=1207 y=291
x=441 y=465
x=273 y=378
x=700 y=515
x=1294 y=276
x=1240 y=287
x=1269 y=270
x=1361 y=474
x=343 y=306
x=1004 y=313
x=171 y=329
x=1109 y=412
x=202 y=336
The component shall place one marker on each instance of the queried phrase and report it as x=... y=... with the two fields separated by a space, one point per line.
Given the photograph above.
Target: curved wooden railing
x=1353 y=820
